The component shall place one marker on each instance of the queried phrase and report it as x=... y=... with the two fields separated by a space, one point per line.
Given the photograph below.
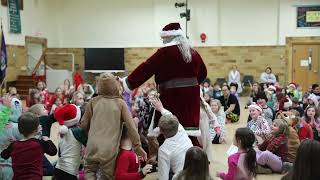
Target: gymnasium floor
x=219 y=151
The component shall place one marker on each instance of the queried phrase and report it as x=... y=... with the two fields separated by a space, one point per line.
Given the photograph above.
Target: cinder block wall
x=61 y=58
x=251 y=60
x=16 y=62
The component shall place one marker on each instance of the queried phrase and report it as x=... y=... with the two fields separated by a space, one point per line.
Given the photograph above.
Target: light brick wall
x=63 y=61
x=17 y=62
x=251 y=60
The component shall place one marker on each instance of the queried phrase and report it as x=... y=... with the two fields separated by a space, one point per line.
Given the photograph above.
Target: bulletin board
x=308 y=17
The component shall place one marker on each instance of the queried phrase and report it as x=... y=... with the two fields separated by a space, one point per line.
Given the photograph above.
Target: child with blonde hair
x=217 y=110
x=273 y=152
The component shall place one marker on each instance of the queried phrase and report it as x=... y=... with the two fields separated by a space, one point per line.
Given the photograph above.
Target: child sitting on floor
x=208 y=122
x=127 y=165
x=196 y=165
x=293 y=137
x=221 y=118
x=303 y=129
x=273 y=152
x=311 y=116
x=258 y=123
x=242 y=165
x=57 y=103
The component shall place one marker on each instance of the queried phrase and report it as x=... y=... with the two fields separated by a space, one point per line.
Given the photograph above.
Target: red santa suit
x=178 y=80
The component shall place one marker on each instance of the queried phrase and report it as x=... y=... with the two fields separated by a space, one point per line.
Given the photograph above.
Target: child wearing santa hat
x=72 y=138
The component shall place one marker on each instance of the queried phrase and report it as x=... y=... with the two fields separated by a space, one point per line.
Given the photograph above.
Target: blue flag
x=3 y=59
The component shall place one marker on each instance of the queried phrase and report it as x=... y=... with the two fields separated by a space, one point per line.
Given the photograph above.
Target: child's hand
x=45 y=138
x=157 y=104
x=7 y=100
x=146 y=169
x=217 y=130
x=141 y=153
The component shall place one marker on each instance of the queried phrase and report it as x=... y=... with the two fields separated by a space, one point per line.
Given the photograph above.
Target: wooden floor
x=219 y=151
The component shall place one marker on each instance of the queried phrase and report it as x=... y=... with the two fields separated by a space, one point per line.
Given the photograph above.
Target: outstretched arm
x=157 y=104
x=143 y=72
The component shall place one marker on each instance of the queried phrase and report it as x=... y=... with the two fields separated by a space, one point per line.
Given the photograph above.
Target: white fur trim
x=178 y=32
x=125 y=85
x=292 y=85
x=63 y=130
x=75 y=120
x=195 y=133
x=172 y=43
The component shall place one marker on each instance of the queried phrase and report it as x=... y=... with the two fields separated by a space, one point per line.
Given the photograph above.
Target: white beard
x=184 y=48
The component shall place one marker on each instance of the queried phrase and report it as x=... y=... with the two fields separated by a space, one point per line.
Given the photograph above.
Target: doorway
x=303 y=60
x=306 y=65
x=35 y=48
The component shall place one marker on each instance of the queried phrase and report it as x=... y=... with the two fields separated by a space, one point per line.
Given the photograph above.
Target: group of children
x=279 y=120
x=109 y=133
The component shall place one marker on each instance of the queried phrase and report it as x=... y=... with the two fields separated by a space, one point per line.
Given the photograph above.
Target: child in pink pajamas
x=242 y=164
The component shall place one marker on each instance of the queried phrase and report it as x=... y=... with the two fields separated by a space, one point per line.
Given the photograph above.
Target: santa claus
x=178 y=71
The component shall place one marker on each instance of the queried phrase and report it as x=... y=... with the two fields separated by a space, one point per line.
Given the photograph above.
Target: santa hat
x=172 y=29
x=292 y=84
x=67 y=116
x=254 y=106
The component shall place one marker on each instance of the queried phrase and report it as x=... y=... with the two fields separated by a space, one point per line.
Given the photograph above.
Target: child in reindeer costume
x=103 y=120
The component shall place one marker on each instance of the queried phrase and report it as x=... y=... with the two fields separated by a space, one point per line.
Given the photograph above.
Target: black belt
x=178 y=83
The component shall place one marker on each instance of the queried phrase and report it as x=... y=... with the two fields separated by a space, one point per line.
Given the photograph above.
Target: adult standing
x=234 y=77
x=178 y=71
